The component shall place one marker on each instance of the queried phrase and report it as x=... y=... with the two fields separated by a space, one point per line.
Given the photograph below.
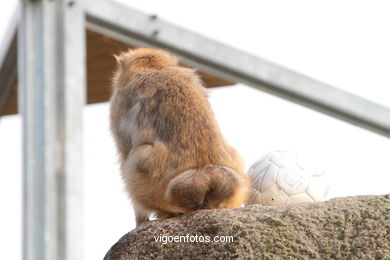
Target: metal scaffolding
x=51 y=81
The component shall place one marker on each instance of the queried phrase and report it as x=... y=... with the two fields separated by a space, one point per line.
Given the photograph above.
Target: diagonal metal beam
x=134 y=27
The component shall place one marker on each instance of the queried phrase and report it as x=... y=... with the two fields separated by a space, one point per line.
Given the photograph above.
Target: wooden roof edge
x=8 y=60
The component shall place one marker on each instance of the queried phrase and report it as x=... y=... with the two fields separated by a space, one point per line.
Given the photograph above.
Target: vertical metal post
x=51 y=97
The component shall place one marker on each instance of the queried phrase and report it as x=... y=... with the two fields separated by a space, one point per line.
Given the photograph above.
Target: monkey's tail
x=210 y=187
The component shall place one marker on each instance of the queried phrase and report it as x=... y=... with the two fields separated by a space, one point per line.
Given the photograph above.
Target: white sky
x=343 y=43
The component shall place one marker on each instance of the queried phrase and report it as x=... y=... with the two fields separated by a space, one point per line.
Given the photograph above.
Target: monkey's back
x=173 y=103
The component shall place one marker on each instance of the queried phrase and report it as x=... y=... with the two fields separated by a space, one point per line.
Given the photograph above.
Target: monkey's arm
x=123 y=121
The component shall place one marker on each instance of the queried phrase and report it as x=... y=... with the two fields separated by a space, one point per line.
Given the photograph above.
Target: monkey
x=173 y=157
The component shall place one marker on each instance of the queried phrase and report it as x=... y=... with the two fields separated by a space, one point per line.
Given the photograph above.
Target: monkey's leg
x=141 y=214
x=187 y=190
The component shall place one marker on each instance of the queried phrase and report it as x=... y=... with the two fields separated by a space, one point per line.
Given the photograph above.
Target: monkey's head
x=141 y=59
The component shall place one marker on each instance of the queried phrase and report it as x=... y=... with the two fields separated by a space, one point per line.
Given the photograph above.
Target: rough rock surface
x=342 y=228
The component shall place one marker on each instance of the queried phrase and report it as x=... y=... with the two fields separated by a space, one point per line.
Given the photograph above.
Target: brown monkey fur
x=173 y=156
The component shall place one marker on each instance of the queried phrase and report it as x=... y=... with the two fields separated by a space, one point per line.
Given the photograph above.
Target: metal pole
x=51 y=98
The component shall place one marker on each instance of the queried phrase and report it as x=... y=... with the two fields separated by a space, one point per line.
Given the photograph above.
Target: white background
x=343 y=43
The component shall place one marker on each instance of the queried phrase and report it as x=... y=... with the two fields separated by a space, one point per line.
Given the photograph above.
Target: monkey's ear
x=117 y=58
x=120 y=61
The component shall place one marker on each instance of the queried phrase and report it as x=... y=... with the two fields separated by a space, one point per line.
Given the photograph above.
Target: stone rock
x=342 y=228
